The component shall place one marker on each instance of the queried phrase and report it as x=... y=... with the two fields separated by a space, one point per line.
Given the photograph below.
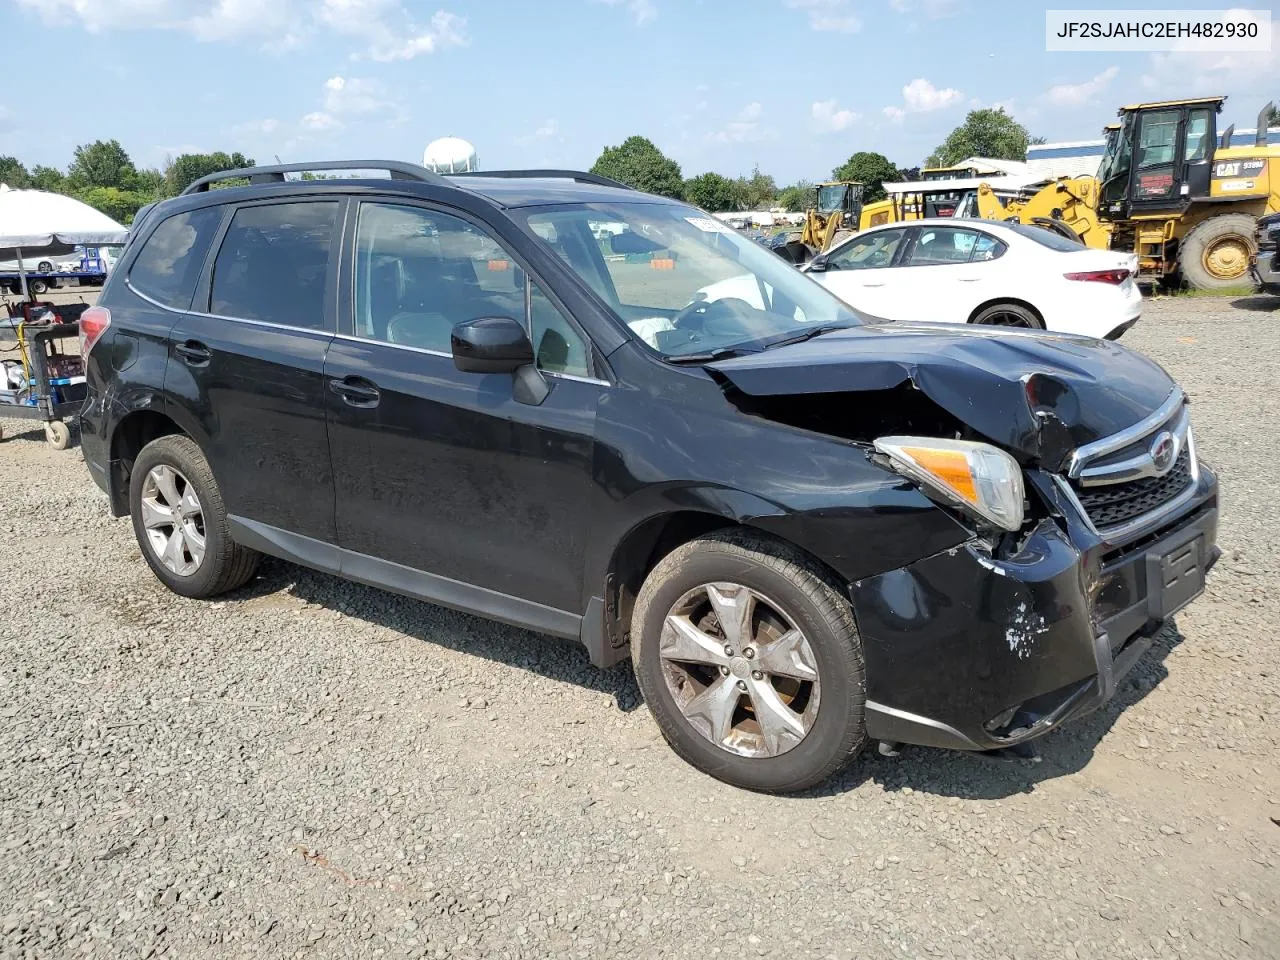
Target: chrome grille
x=1116 y=503
x=1129 y=481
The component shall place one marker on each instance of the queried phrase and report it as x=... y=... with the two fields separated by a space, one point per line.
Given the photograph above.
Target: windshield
x=686 y=284
x=831 y=198
x=1113 y=172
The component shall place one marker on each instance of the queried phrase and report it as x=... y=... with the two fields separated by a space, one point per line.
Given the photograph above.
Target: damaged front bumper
x=974 y=651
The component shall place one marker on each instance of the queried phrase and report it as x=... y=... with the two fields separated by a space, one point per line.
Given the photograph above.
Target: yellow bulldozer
x=1168 y=189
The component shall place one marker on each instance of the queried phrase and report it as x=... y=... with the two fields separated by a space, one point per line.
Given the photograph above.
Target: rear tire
x=44 y=266
x=37 y=286
x=1008 y=315
x=798 y=663
x=1215 y=254
x=204 y=560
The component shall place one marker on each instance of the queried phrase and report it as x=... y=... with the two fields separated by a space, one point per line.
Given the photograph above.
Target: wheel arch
x=1016 y=301
x=131 y=433
x=650 y=540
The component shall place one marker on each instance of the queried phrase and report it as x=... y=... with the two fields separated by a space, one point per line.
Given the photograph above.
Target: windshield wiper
x=724 y=353
x=808 y=334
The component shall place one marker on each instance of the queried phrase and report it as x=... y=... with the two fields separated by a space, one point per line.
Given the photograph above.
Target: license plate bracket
x=1175 y=577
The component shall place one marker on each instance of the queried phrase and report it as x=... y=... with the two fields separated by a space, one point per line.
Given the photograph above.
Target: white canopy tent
x=50 y=224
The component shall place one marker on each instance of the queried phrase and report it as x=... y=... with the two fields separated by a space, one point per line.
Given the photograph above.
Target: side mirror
x=818 y=264
x=491 y=345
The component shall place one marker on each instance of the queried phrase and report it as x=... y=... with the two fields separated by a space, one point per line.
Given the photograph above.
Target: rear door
x=245 y=370
x=945 y=272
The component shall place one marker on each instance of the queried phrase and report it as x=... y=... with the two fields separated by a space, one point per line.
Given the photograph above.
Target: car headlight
x=976 y=477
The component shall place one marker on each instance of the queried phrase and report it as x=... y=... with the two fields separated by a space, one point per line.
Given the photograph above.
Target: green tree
x=102 y=163
x=759 y=191
x=13 y=173
x=119 y=205
x=189 y=167
x=1273 y=117
x=50 y=179
x=638 y=163
x=797 y=197
x=872 y=169
x=713 y=192
x=984 y=133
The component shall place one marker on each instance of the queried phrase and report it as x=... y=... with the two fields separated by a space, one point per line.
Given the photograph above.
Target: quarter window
x=419 y=272
x=168 y=265
x=274 y=262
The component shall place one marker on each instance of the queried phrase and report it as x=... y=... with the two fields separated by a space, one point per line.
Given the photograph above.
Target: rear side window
x=273 y=264
x=169 y=262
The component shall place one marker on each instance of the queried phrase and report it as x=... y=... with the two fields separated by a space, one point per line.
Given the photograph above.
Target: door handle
x=356 y=391
x=969 y=279
x=873 y=284
x=193 y=353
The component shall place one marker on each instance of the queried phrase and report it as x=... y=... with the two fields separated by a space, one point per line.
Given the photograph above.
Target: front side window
x=418 y=272
x=1158 y=137
x=868 y=252
x=274 y=262
x=683 y=282
x=1196 y=142
x=169 y=263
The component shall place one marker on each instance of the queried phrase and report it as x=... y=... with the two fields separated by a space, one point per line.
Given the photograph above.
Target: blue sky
x=793 y=85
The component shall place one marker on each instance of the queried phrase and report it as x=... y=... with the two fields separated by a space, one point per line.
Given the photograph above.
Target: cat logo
x=1237 y=168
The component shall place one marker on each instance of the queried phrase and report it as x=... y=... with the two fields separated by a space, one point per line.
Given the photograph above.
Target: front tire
x=1215 y=254
x=181 y=523
x=750 y=662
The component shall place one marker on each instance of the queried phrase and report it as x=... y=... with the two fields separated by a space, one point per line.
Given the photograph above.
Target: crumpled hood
x=1039 y=395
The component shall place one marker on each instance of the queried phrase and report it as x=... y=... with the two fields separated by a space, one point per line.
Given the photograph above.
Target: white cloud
x=933 y=9
x=546 y=131
x=921 y=96
x=1078 y=94
x=354 y=96
x=388 y=31
x=385 y=28
x=830 y=118
x=317 y=122
x=268 y=125
x=642 y=11
x=828 y=16
x=745 y=127
x=1217 y=71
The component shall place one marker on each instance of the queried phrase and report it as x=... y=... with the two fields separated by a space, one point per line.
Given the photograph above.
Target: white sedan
x=983 y=271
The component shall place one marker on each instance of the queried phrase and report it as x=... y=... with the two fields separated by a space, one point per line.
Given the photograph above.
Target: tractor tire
x=1215 y=254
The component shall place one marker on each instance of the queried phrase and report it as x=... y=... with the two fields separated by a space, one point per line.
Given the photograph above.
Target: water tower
x=450 y=155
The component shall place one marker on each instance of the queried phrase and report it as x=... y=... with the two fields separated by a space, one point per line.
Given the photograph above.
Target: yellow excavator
x=1168 y=189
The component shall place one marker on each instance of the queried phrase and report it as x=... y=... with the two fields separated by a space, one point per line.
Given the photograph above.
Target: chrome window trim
x=1118 y=441
x=449 y=356
x=219 y=316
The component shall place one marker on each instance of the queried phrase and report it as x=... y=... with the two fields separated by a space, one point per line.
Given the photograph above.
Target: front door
x=442 y=471
x=246 y=364
x=860 y=271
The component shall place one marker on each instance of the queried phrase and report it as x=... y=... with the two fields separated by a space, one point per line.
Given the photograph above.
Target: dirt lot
x=312 y=768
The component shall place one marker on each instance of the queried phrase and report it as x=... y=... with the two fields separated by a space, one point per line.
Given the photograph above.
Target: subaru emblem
x=1163 y=450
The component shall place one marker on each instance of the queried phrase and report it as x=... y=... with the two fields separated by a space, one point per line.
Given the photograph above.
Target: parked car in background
x=806 y=531
x=980 y=271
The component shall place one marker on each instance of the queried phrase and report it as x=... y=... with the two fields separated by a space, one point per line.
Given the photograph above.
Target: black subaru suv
x=548 y=399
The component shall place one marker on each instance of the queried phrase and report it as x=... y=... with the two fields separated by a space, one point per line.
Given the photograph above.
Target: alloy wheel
x=740 y=671
x=174 y=520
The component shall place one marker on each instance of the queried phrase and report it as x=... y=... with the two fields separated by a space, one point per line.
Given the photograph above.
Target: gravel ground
x=315 y=769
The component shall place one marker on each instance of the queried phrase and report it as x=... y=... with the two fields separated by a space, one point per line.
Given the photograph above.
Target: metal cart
x=53 y=389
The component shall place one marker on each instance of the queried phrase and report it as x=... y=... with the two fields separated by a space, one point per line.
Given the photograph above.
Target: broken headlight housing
x=979 y=479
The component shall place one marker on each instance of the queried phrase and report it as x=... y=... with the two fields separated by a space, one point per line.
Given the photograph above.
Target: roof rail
x=577 y=175
x=398 y=169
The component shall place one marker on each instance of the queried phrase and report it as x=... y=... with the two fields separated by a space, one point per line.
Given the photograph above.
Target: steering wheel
x=694 y=317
